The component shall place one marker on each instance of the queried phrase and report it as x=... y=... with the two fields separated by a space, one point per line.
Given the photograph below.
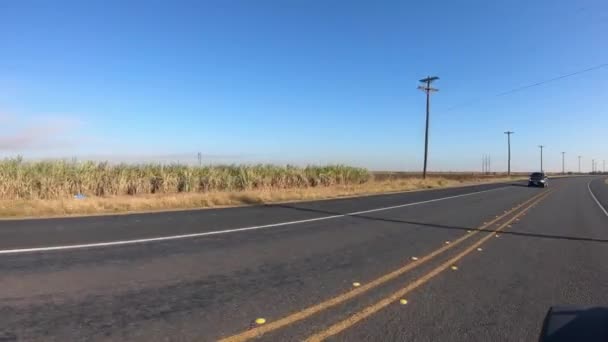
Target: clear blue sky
x=303 y=81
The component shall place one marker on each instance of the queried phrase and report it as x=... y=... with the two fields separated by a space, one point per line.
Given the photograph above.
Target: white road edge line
x=595 y=198
x=227 y=231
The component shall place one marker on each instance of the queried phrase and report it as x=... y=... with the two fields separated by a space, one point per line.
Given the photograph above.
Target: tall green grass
x=61 y=179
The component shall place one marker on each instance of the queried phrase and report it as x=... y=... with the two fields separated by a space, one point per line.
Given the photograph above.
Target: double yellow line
x=307 y=312
x=372 y=309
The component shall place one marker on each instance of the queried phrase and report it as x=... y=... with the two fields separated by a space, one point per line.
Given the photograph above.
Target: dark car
x=538 y=179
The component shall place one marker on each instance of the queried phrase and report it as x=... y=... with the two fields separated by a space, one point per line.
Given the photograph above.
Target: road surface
x=475 y=263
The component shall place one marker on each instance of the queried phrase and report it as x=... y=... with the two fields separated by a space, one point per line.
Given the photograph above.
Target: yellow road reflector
x=260 y=321
x=454 y=268
x=414 y=258
x=357 y=317
x=479 y=249
x=355 y=284
x=374 y=308
x=403 y=301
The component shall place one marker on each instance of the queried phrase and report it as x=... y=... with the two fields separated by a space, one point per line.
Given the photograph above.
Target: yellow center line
x=307 y=312
x=372 y=309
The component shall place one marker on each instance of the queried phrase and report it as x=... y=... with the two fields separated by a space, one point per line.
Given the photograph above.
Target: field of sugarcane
x=63 y=188
x=64 y=179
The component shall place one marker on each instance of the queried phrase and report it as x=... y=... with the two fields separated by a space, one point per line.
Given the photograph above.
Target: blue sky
x=303 y=81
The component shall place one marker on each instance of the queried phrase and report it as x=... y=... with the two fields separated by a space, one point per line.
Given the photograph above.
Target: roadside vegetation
x=48 y=188
x=61 y=179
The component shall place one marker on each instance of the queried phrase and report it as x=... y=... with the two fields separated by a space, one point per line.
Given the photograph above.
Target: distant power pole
x=592 y=165
x=541 y=157
x=604 y=166
x=486 y=164
x=579 y=164
x=508 y=133
x=200 y=159
x=427 y=89
x=563 y=168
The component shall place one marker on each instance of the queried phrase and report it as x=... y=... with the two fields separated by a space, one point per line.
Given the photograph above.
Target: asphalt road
x=213 y=272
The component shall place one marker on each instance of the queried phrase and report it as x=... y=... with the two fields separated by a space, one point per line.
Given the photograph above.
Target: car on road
x=538 y=179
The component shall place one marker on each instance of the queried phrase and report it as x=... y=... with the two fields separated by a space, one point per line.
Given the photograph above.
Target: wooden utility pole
x=508 y=133
x=427 y=89
x=541 y=157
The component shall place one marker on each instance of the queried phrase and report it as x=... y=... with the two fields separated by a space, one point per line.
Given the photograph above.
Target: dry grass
x=36 y=207
x=42 y=189
x=386 y=175
x=55 y=180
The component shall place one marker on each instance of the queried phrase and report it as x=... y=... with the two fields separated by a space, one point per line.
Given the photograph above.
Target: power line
x=552 y=80
x=518 y=89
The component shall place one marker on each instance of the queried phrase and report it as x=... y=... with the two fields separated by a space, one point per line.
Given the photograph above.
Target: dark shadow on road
x=575 y=324
x=439 y=226
x=520 y=185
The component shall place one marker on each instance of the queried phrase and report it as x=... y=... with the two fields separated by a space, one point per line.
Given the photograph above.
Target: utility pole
x=541 y=157
x=592 y=165
x=486 y=164
x=489 y=164
x=427 y=89
x=508 y=133
x=200 y=159
x=603 y=166
x=563 y=168
x=579 y=164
